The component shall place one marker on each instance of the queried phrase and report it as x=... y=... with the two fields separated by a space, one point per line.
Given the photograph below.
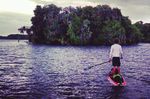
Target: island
x=84 y=26
x=15 y=36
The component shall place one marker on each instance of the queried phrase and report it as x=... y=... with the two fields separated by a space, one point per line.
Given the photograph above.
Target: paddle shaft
x=96 y=65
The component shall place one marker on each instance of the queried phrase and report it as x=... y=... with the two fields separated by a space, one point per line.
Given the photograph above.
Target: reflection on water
x=57 y=72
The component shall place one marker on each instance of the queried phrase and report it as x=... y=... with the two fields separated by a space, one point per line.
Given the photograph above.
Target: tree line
x=84 y=26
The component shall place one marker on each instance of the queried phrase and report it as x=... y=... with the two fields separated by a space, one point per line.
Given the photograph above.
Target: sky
x=17 y=13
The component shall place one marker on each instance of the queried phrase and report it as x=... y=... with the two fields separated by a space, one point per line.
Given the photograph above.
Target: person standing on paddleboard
x=116 y=54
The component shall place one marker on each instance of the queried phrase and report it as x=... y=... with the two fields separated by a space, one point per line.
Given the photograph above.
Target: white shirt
x=115 y=51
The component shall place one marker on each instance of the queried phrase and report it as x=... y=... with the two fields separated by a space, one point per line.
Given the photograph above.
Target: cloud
x=10 y=22
x=65 y=3
x=140 y=13
x=17 y=6
x=116 y=2
x=41 y=1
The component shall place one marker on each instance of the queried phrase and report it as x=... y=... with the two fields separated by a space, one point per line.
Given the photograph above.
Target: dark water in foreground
x=55 y=72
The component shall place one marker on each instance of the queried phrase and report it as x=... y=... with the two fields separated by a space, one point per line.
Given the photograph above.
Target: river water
x=57 y=72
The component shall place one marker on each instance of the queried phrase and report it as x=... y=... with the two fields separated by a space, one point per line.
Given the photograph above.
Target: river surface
x=57 y=72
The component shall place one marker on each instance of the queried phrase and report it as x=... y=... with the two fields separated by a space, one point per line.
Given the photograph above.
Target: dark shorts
x=116 y=61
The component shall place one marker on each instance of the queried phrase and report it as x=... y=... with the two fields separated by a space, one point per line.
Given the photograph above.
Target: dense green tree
x=144 y=29
x=113 y=29
x=133 y=34
x=74 y=30
x=85 y=33
x=146 y=32
x=81 y=26
x=45 y=23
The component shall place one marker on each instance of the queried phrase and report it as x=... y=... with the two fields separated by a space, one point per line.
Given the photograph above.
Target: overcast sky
x=17 y=13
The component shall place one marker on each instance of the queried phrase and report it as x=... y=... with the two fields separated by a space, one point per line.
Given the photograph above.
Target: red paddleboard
x=116 y=83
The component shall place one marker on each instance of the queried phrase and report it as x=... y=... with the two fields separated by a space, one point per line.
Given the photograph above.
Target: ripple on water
x=56 y=72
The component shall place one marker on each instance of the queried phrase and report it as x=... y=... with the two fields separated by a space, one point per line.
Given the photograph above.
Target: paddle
x=95 y=65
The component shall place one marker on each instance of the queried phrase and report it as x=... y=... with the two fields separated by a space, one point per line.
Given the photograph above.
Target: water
x=57 y=72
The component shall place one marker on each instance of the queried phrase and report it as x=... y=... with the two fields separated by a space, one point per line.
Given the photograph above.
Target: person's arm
x=121 y=53
x=110 y=54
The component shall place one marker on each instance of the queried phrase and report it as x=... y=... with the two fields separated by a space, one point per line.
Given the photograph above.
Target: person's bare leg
x=118 y=69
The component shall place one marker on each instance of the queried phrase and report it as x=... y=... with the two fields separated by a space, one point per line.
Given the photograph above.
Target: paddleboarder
x=116 y=54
